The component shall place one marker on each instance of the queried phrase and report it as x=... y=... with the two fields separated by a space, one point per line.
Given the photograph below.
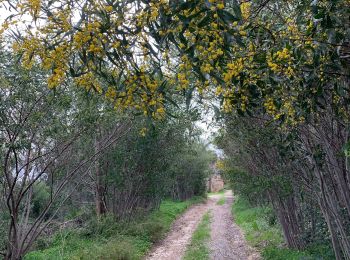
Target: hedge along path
x=173 y=247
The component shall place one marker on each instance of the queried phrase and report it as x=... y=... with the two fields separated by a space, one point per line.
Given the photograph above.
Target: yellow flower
x=109 y=8
x=221 y=6
x=245 y=9
x=143 y=131
x=111 y=93
x=284 y=54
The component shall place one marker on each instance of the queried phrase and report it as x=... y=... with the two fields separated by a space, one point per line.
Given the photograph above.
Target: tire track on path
x=227 y=241
x=173 y=247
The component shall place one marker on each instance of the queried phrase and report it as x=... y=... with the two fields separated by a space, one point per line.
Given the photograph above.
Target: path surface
x=173 y=247
x=227 y=241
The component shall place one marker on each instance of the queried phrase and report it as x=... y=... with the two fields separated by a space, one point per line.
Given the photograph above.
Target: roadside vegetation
x=78 y=171
x=263 y=232
x=221 y=201
x=198 y=248
x=101 y=103
x=220 y=192
x=108 y=239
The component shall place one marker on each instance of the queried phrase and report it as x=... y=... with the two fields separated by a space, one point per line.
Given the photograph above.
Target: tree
x=39 y=131
x=252 y=46
x=284 y=61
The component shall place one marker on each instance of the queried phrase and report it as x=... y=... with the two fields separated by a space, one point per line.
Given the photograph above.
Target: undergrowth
x=108 y=239
x=220 y=192
x=267 y=237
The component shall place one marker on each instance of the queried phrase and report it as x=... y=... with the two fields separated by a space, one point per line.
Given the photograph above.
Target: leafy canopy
x=285 y=57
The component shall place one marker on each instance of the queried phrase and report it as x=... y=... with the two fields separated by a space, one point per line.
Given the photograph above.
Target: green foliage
x=221 y=201
x=267 y=236
x=4 y=220
x=109 y=239
x=281 y=62
x=274 y=253
x=78 y=142
x=221 y=192
x=119 y=249
x=40 y=197
x=265 y=166
x=245 y=184
x=311 y=253
x=168 y=161
x=255 y=223
x=158 y=222
x=198 y=249
x=73 y=246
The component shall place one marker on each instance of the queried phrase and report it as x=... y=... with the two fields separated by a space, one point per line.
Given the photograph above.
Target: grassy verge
x=268 y=238
x=221 y=201
x=198 y=249
x=220 y=192
x=113 y=240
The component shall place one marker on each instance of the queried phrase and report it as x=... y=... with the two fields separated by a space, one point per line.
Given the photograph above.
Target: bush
x=110 y=239
x=262 y=231
x=116 y=249
x=273 y=253
x=4 y=221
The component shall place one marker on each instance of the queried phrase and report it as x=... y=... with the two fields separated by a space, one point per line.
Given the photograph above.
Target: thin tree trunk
x=99 y=185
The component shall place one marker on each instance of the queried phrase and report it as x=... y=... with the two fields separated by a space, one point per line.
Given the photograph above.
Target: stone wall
x=215 y=183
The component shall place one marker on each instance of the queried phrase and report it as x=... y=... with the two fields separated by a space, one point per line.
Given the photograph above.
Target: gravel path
x=173 y=247
x=227 y=241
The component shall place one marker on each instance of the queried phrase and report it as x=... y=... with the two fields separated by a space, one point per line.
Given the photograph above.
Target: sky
x=209 y=127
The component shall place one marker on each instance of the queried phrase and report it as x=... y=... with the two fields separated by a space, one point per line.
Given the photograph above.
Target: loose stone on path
x=227 y=240
x=173 y=247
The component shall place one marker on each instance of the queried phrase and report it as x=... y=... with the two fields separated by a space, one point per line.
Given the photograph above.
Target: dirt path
x=227 y=241
x=173 y=247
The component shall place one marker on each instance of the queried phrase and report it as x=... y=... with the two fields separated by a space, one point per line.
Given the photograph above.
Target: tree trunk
x=100 y=204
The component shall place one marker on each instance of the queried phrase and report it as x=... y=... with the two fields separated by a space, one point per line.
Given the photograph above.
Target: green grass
x=198 y=249
x=267 y=238
x=221 y=201
x=113 y=240
x=255 y=224
x=220 y=192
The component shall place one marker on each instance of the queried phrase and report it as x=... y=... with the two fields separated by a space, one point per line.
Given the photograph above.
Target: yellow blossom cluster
x=33 y=6
x=29 y=47
x=141 y=94
x=3 y=27
x=283 y=55
x=246 y=9
x=220 y=164
x=233 y=70
x=281 y=62
x=143 y=131
x=270 y=106
x=201 y=45
x=89 y=81
x=217 y=4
